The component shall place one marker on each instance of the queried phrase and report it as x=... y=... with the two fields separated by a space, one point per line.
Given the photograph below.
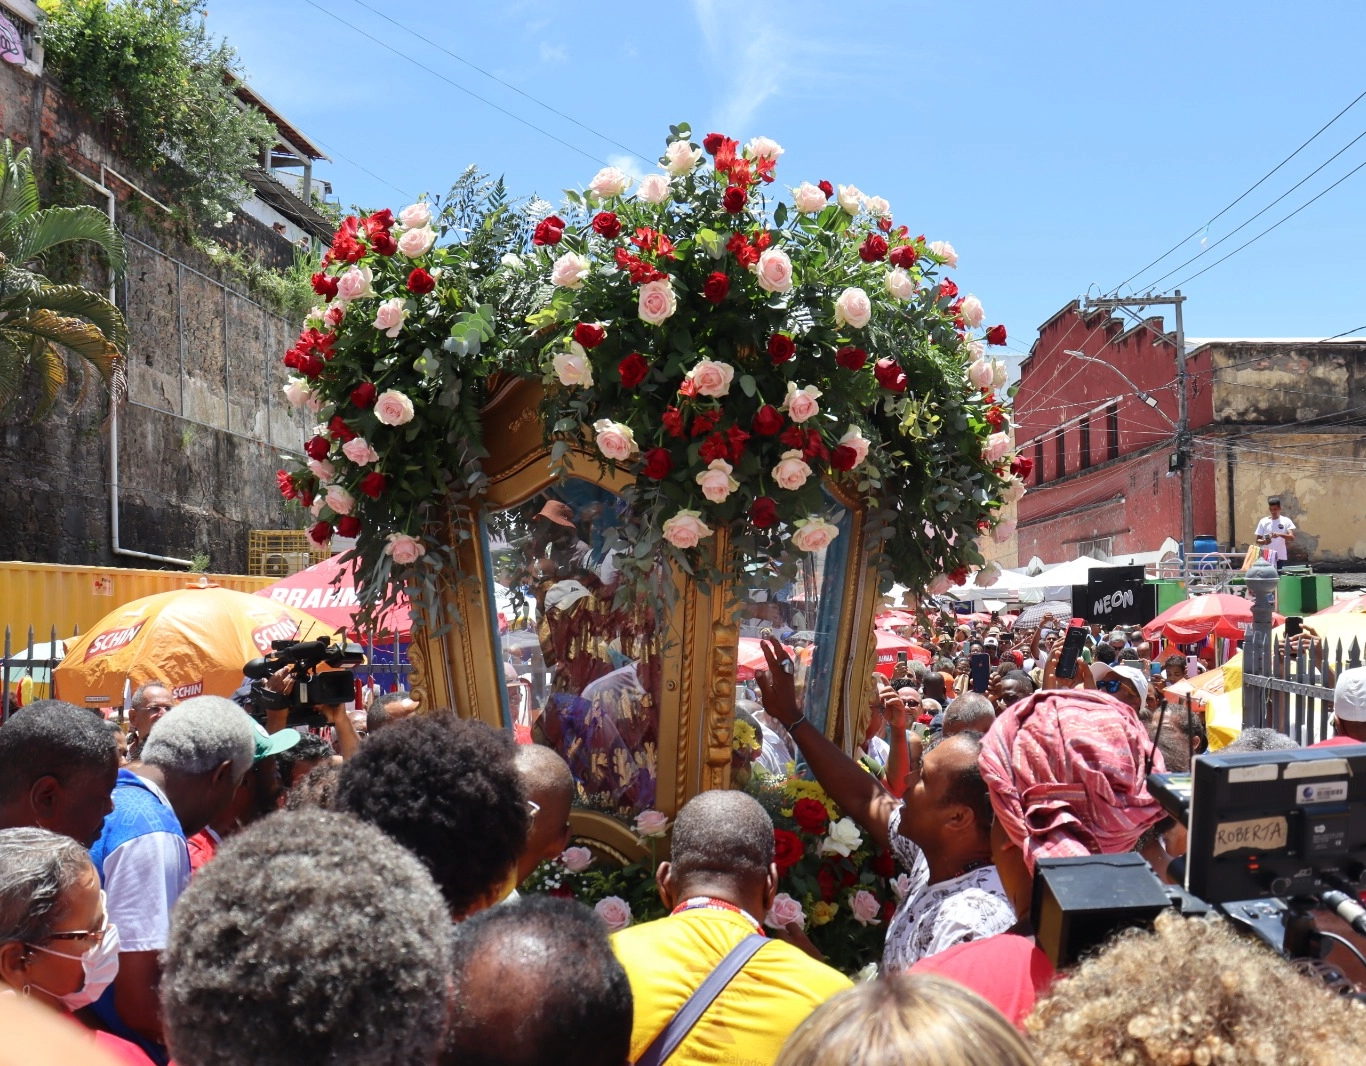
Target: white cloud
x=553 y=53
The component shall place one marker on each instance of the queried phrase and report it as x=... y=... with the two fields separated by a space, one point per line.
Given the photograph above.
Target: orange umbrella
x=195 y=639
x=751 y=658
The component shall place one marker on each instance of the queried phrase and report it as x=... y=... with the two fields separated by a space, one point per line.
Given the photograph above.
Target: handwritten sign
x=1254 y=834
x=11 y=43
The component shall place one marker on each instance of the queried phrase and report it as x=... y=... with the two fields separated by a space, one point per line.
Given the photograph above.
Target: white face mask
x=100 y=964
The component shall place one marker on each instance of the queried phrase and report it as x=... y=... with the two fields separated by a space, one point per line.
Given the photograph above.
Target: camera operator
x=273 y=696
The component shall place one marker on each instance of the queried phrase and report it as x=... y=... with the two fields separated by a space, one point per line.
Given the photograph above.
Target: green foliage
x=151 y=67
x=286 y=292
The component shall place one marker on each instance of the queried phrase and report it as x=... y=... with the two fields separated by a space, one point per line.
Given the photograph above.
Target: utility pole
x=1183 y=438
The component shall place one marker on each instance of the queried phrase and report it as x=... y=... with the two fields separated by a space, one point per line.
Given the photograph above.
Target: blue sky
x=1058 y=146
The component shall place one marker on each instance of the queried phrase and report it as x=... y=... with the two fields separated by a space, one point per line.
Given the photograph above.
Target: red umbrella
x=893 y=619
x=751 y=658
x=888 y=644
x=327 y=590
x=1218 y=614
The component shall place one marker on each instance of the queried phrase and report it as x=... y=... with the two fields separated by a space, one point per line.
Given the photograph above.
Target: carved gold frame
x=701 y=640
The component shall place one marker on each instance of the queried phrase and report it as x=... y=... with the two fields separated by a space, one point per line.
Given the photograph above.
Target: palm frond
x=32 y=236
x=13 y=368
x=77 y=336
x=73 y=301
x=18 y=189
x=50 y=369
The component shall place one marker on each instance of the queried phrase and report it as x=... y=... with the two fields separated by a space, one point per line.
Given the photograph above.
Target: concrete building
x=1268 y=417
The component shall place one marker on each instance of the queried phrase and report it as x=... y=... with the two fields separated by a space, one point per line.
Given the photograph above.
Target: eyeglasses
x=97 y=935
x=158 y=708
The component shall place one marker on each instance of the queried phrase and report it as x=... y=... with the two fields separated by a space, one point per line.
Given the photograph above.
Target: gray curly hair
x=37 y=869
x=200 y=735
x=311 y=937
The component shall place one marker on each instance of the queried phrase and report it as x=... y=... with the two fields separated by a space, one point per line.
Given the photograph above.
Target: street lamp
x=1146 y=397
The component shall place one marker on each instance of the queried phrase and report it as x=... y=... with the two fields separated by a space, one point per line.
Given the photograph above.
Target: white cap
x=1349 y=697
x=1134 y=674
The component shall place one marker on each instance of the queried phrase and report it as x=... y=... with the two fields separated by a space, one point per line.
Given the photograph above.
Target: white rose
x=943 y=250
x=854 y=438
x=792 y=471
x=297 y=392
x=416 y=242
x=573 y=367
x=682 y=157
x=988 y=575
x=784 y=911
x=576 y=860
x=801 y=404
x=614 y=439
x=569 y=270
x=716 y=482
x=415 y=216
x=878 y=207
x=853 y=308
x=764 y=148
x=685 y=529
x=900 y=886
x=609 y=182
x=999 y=374
x=842 y=838
x=322 y=469
x=997 y=447
x=980 y=374
x=711 y=378
x=808 y=199
x=1005 y=529
x=354 y=284
x=393 y=408
x=976 y=349
x=654 y=189
x=389 y=316
x=774 y=271
x=511 y=260
x=899 y=284
x=813 y=534
x=614 y=911
x=849 y=198
x=339 y=499
x=972 y=311
x=1014 y=491
x=657 y=302
x=358 y=450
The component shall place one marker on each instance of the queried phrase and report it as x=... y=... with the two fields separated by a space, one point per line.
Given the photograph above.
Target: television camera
x=307 y=685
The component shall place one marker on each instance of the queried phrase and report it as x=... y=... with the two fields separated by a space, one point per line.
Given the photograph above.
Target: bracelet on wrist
x=801 y=720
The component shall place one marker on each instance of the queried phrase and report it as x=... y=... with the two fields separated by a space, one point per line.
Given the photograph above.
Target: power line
x=347 y=159
x=1245 y=194
x=454 y=84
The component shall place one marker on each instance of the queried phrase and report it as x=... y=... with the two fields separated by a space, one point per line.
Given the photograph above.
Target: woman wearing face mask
x=56 y=946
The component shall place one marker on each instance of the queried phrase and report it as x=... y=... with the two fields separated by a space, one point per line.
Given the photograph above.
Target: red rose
x=704 y=422
x=828 y=885
x=379 y=222
x=788 y=849
x=1022 y=466
x=903 y=256
x=363 y=395
x=383 y=242
x=826 y=188
x=305 y=499
x=733 y=200
x=659 y=464
x=713 y=448
x=781 y=348
x=345 y=246
x=317 y=448
x=995 y=417
x=320 y=533
x=712 y=142
x=762 y=239
x=589 y=334
x=851 y=358
x=372 y=484
x=794 y=437
x=844 y=458
x=873 y=249
x=890 y=375
x=286 y=483
x=606 y=224
x=420 y=282
x=548 y=231
x=716 y=286
x=767 y=421
x=632 y=369
x=673 y=421
x=813 y=447
x=325 y=285
x=337 y=429
x=348 y=525
x=311 y=366
x=883 y=864
x=810 y=815
x=947 y=290
x=885 y=224
x=996 y=335
x=736 y=438
x=889 y=910
x=724 y=156
x=764 y=513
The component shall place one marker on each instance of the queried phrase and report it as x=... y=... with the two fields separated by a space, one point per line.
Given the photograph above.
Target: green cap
x=268 y=744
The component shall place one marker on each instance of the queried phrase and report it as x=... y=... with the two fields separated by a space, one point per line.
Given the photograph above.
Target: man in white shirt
x=1275 y=531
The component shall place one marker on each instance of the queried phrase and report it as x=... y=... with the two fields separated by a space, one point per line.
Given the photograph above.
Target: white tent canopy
x=1054 y=583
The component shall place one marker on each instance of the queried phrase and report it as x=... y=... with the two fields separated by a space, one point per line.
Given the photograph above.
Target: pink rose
x=355 y=283
x=900 y=886
x=987 y=575
x=393 y=408
x=614 y=911
x=939 y=585
x=573 y=367
x=685 y=529
x=657 y=301
x=997 y=447
x=322 y=469
x=608 y=182
x=569 y=270
x=316 y=509
x=341 y=501
x=416 y=242
x=774 y=271
x=854 y=438
x=972 y=312
x=415 y=216
x=877 y=206
x=764 y=148
x=614 y=439
x=865 y=907
x=716 y=482
x=801 y=404
x=681 y=157
x=980 y=374
x=1014 y=491
x=850 y=199
x=576 y=860
x=813 y=534
x=389 y=316
x=651 y=823
x=1005 y=529
x=297 y=392
x=791 y=472
x=853 y=308
x=943 y=250
x=999 y=374
x=808 y=199
x=654 y=189
x=899 y=284
x=711 y=378
x=360 y=452
x=404 y=549
x=784 y=912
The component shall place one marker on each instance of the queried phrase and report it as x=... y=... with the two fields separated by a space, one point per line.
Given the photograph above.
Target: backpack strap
x=678 y=1027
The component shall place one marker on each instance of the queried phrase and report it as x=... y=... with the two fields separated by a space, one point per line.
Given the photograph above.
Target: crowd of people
x=214 y=890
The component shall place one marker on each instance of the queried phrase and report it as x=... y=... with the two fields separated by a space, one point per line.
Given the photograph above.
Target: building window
x=1112 y=431
x=1060 y=451
x=1099 y=548
x=1085 y=442
x=1038 y=462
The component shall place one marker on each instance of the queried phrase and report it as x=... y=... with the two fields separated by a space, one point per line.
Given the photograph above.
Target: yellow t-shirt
x=748 y=1023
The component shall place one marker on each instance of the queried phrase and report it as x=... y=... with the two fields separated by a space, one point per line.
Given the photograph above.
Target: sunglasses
x=1113 y=685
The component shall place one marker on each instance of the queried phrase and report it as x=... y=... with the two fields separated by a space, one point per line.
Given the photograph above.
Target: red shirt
x=1334 y=742
x=1009 y=971
x=203 y=847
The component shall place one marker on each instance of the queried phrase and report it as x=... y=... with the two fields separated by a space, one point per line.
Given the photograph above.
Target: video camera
x=1271 y=835
x=311 y=687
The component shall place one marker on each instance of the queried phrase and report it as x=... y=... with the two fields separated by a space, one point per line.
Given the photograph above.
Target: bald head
x=970 y=711
x=722 y=835
x=548 y=784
